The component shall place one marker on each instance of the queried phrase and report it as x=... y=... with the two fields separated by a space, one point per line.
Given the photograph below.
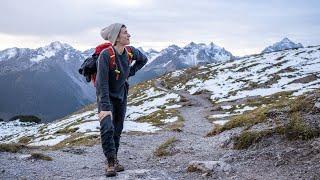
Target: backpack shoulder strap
x=112 y=55
x=129 y=52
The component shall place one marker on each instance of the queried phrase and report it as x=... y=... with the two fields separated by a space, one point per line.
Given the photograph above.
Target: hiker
x=112 y=90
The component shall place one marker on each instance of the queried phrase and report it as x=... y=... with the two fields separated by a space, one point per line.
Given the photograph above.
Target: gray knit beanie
x=111 y=32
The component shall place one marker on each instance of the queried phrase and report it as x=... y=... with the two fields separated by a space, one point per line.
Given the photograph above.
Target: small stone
x=206 y=174
x=162 y=162
x=3 y=171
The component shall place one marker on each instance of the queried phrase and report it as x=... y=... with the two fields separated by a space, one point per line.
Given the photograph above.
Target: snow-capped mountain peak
x=152 y=51
x=8 y=53
x=56 y=46
x=284 y=44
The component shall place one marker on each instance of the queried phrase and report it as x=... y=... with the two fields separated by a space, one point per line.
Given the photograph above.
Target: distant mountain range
x=175 y=58
x=45 y=81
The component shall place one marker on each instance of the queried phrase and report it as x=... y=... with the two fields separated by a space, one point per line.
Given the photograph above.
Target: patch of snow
x=13 y=130
x=221 y=115
x=88 y=126
x=170 y=120
x=66 y=57
x=149 y=106
x=164 y=65
x=246 y=108
x=226 y=107
x=177 y=73
x=174 y=106
x=142 y=127
x=50 y=140
x=220 y=122
x=44 y=55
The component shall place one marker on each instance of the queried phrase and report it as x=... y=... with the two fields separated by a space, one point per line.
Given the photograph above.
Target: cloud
x=235 y=24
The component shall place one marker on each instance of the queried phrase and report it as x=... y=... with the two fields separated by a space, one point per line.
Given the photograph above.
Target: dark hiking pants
x=110 y=129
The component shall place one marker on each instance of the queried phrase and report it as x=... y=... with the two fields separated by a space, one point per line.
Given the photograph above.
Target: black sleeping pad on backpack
x=89 y=67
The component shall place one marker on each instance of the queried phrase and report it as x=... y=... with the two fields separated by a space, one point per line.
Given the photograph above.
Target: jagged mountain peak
x=152 y=51
x=173 y=46
x=57 y=45
x=284 y=44
x=285 y=40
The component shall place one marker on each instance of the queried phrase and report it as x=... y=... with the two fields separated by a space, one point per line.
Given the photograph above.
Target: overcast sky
x=240 y=26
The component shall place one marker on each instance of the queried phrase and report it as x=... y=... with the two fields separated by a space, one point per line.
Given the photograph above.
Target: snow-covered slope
x=292 y=71
x=145 y=102
x=284 y=44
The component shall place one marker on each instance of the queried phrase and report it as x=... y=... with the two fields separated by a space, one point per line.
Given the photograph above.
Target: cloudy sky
x=240 y=26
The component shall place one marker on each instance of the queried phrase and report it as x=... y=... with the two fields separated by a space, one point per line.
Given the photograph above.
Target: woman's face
x=123 y=37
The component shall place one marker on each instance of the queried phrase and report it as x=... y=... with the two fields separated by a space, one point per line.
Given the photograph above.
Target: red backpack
x=112 y=62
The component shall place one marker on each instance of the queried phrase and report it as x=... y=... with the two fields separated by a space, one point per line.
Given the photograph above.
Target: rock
x=279 y=163
x=208 y=166
x=77 y=151
x=317 y=104
x=207 y=174
x=162 y=162
x=3 y=171
x=316 y=144
x=217 y=108
x=24 y=156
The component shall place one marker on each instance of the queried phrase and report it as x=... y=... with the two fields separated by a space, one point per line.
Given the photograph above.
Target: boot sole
x=120 y=170
x=111 y=175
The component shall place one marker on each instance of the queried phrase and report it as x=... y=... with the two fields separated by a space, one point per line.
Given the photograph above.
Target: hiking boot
x=110 y=168
x=118 y=167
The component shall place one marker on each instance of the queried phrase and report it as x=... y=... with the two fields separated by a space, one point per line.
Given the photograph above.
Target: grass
x=304 y=80
x=177 y=125
x=267 y=100
x=138 y=89
x=156 y=117
x=40 y=156
x=259 y=115
x=293 y=127
x=287 y=69
x=247 y=138
x=215 y=130
x=189 y=73
x=164 y=148
x=42 y=129
x=24 y=139
x=67 y=130
x=298 y=129
x=78 y=140
x=247 y=67
x=13 y=147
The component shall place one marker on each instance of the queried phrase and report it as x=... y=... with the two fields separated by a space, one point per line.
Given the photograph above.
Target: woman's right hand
x=103 y=114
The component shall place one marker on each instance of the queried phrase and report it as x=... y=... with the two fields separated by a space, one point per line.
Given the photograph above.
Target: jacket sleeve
x=140 y=59
x=102 y=82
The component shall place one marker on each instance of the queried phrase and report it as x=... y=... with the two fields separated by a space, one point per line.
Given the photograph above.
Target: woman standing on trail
x=112 y=89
